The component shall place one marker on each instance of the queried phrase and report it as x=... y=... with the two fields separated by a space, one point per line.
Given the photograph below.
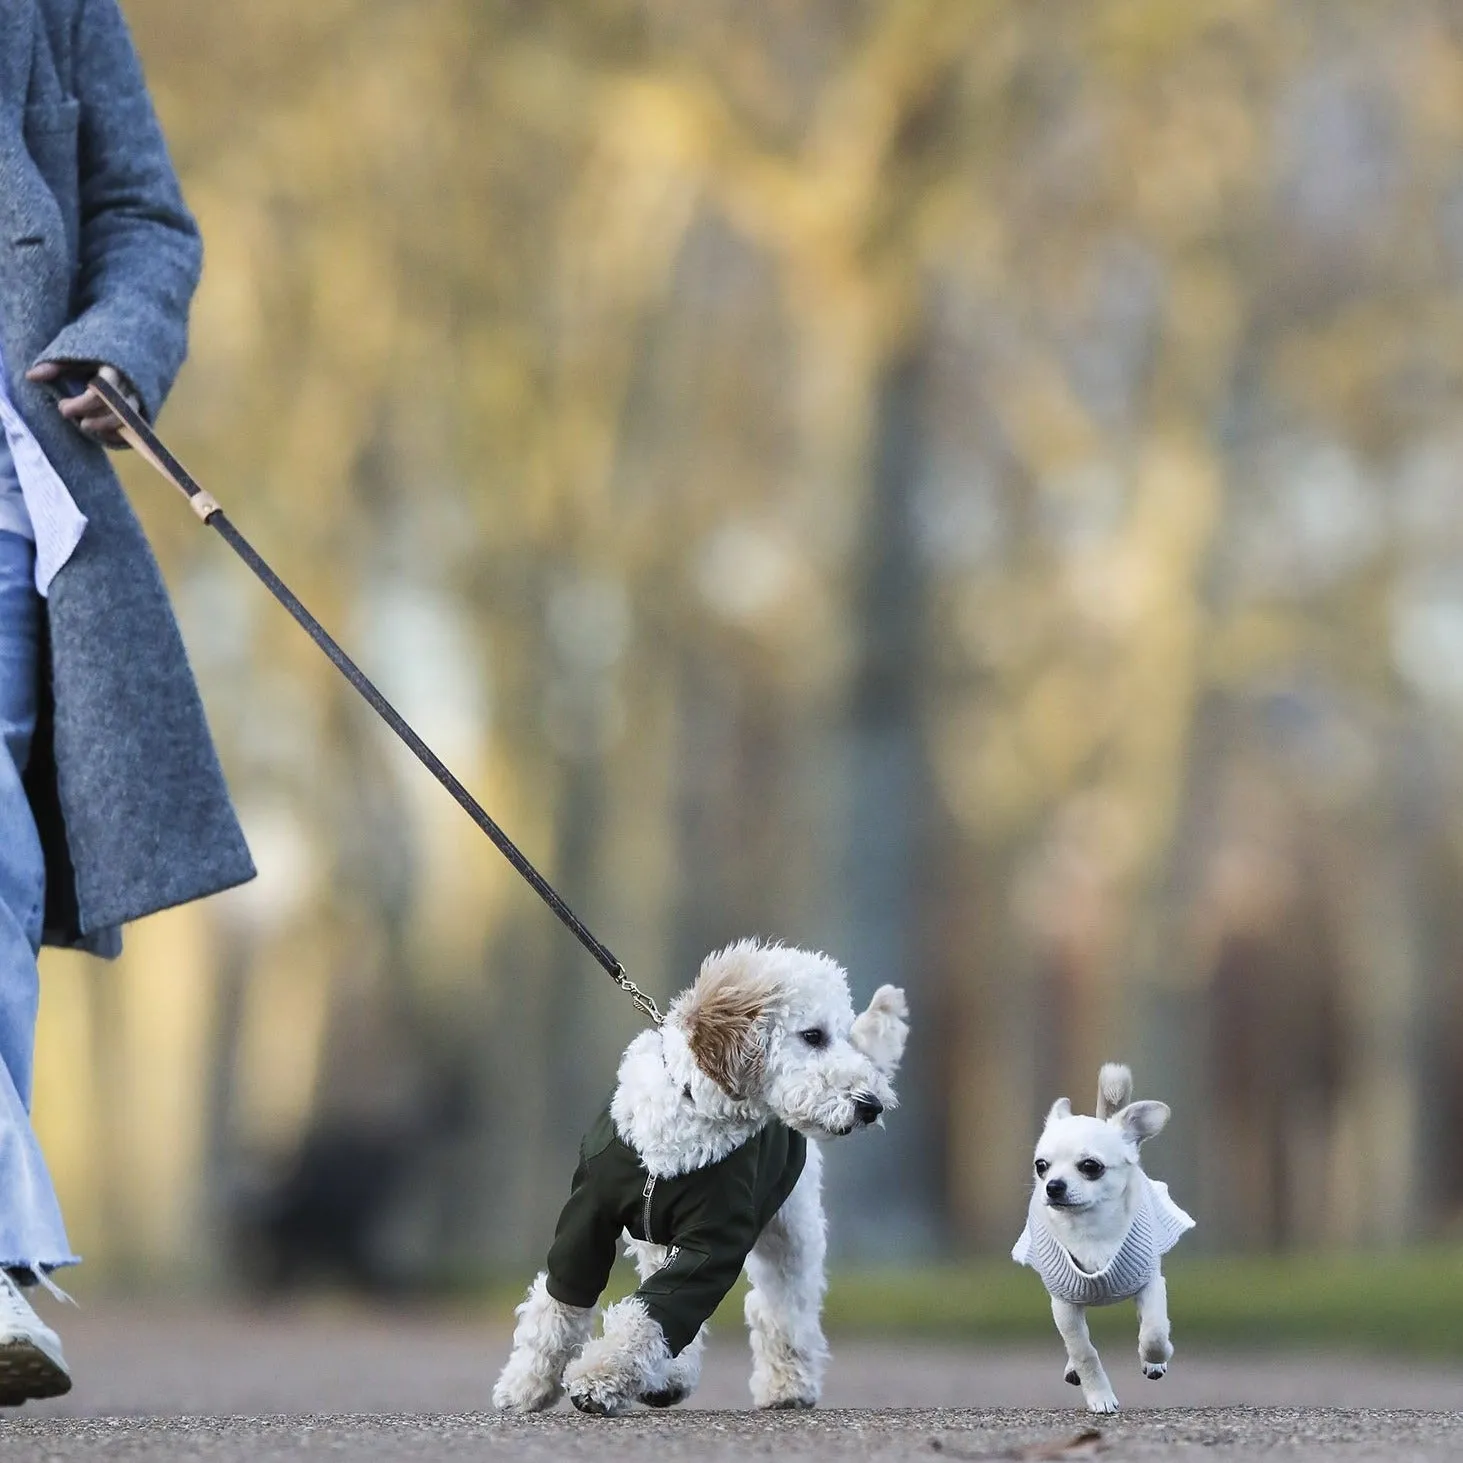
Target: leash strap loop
x=140 y=436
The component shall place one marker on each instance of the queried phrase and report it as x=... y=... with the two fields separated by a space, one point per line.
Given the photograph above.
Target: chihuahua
x=1098 y=1227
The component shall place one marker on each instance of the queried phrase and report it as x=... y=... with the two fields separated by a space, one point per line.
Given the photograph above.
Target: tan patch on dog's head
x=722 y=1018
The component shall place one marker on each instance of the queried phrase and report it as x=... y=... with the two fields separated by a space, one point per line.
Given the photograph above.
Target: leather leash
x=140 y=436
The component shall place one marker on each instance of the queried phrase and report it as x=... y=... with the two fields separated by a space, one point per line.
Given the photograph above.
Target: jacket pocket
x=42 y=118
x=680 y=1266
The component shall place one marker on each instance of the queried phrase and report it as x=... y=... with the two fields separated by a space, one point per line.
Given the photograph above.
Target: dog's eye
x=1090 y=1168
x=1041 y=1167
x=814 y=1036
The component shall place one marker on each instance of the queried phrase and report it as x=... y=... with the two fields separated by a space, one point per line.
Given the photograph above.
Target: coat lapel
x=17 y=48
x=17 y=44
x=33 y=288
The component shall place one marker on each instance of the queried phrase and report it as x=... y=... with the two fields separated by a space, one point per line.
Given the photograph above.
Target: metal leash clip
x=643 y=1003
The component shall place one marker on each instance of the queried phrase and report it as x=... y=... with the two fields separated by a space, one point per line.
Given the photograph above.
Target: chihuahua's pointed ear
x=1114 y=1089
x=1140 y=1121
x=1061 y=1108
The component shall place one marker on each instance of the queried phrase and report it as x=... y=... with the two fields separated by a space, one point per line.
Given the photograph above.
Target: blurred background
x=970 y=485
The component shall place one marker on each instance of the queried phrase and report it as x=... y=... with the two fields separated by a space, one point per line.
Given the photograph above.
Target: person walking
x=112 y=801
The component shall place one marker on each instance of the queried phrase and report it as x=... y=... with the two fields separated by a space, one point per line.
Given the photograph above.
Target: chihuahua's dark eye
x=814 y=1036
x=1041 y=1167
x=1090 y=1168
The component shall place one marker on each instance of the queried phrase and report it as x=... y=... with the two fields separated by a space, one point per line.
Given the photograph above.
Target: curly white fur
x=629 y=1360
x=548 y=1336
x=766 y=1031
x=785 y=1304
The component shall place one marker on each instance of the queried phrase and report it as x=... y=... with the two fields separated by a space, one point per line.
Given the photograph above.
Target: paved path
x=274 y=1385
x=1215 y=1435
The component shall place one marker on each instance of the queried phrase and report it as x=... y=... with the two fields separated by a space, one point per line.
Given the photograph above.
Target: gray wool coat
x=99 y=259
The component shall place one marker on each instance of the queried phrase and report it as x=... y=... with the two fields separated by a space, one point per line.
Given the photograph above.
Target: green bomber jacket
x=709 y=1219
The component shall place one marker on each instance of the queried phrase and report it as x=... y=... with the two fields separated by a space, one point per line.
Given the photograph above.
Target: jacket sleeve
x=702 y=1267
x=140 y=254
x=585 y=1241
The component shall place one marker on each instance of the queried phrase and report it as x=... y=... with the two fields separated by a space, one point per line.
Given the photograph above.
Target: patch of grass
x=1409 y=1302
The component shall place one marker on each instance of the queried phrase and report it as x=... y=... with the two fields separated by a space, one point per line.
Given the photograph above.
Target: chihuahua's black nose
x=1056 y=1189
x=866 y=1109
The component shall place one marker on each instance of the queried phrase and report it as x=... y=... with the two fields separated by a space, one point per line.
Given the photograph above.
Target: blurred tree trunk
x=887 y=1187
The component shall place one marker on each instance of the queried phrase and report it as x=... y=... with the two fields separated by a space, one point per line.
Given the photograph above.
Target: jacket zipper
x=646 y=1194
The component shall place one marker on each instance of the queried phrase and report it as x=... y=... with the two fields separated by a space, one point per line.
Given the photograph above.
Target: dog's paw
x=547 y=1335
x=525 y=1395
x=1102 y=1402
x=594 y=1406
x=626 y=1361
x=1155 y=1351
x=786 y=1388
x=604 y=1385
x=1071 y=1377
x=528 y=1383
x=666 y=1397
x=591 y=1395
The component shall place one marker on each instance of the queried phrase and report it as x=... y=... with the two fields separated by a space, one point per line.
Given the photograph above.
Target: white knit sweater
x=1158 y=1223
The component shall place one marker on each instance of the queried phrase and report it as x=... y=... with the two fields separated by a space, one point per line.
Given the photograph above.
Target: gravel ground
x=1300 y=1434
x=295 y=1385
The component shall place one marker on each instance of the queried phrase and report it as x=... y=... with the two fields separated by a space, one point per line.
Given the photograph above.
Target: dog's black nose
x=1056 y=1188
x=866 y=1109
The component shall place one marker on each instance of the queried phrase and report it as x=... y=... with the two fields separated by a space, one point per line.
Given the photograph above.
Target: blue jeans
x=32 y=1235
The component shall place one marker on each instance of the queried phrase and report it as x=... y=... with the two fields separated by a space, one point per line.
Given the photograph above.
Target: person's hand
x=88 y=411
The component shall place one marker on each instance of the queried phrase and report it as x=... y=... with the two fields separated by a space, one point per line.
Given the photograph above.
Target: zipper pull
x=645 y=1194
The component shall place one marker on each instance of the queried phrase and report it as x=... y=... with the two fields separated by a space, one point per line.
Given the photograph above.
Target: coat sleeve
x=701 y=1268
x=140 y=254
x=585 y=1241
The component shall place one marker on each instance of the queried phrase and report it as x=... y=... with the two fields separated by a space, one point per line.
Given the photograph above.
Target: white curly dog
x=701 y=1162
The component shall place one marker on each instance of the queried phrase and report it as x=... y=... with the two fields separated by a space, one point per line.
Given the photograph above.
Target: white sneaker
x=31 y=1362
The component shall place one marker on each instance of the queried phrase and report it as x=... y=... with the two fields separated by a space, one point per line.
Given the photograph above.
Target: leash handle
x=138 y=435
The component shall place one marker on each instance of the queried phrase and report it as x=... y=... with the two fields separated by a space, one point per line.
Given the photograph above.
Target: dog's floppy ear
x=881 y=1031
x=725 y=1035
x=1061 y=1108
x=722 y=1018
x=1140 y=1121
